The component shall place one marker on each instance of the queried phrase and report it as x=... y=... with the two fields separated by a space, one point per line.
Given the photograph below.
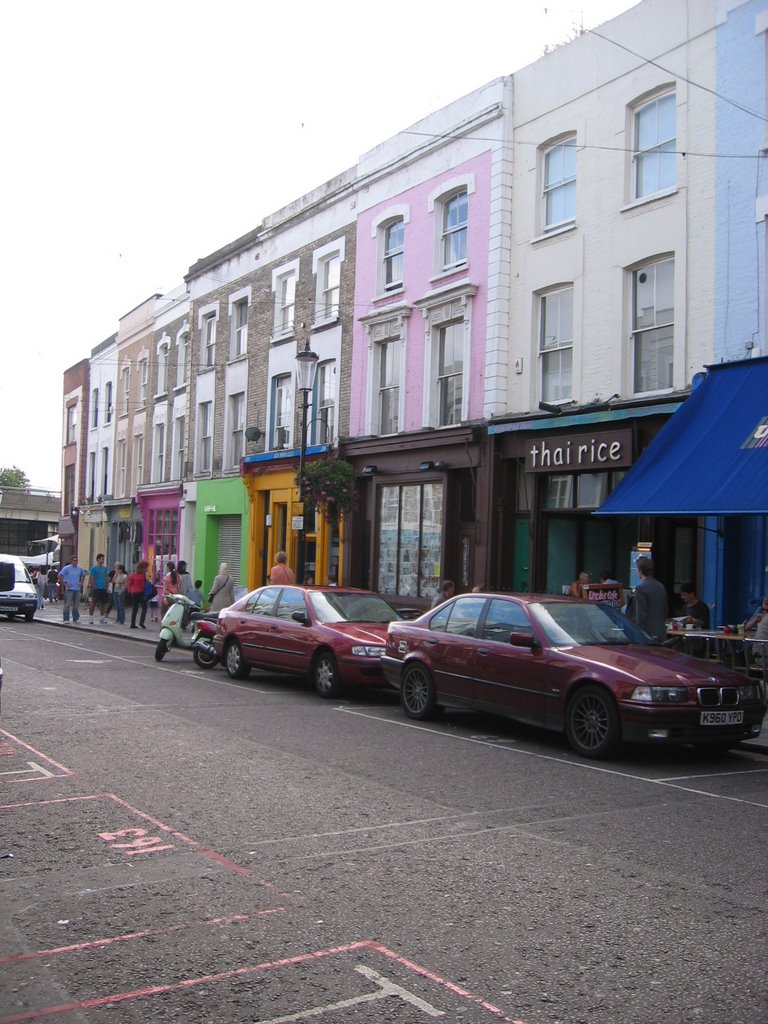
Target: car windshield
x=339 y=606
x=568 y=623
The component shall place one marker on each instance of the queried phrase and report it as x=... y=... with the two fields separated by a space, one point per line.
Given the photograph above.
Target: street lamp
x=306 y=368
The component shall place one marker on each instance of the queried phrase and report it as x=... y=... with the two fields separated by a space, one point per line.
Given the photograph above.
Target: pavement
x=52 y=614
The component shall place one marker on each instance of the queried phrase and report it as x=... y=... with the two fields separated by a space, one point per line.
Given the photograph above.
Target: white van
x=18 y=594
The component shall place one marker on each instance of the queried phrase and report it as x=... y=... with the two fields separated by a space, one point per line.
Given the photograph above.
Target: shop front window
x=162 y=538
x=410 y=539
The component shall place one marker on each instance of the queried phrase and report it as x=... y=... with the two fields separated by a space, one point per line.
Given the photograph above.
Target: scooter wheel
x=204 y=660
x=161 y=650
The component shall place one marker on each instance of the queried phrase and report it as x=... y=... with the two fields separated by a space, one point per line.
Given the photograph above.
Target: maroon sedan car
x=575 y=666
x=334 y=635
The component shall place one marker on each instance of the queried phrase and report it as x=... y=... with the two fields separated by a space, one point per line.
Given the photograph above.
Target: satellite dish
x=697 y=379
x=253 y=434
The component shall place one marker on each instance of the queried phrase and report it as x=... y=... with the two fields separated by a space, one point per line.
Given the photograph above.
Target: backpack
x=150 y=591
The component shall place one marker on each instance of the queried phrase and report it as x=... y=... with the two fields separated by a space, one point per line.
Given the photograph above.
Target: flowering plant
x=329 y=485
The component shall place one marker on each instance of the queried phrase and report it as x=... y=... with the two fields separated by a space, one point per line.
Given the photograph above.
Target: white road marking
x=584 y=765
x=386 y=988
x=34 y=769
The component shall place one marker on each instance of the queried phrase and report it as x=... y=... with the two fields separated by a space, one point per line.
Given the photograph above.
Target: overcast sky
x=139 y=136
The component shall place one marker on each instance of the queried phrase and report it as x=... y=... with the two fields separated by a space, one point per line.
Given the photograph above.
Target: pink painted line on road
x=20 y=743
x=239 y=972
x=187 y=840
x=14 y=958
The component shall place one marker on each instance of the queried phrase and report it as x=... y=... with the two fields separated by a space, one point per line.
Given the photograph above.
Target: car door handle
x=432 y=640
x=483 y=650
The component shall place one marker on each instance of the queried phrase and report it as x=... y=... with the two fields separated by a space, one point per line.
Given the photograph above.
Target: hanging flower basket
x=329 y=486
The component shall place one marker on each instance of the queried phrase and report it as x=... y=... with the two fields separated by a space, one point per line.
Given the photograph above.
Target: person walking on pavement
x=185 y=580
x=53 y=585
x=281 y=572
x=137 y=582
x=40 y=583
x=119 y=581
x=649 y=606
x=72 y=577
x=222 y=593
x=98 y=595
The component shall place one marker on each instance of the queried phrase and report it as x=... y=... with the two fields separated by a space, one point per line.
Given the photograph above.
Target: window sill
x=389 y=293
x=281 y=336
x=644 y=200
x=160 y=395
x=658 y=393
x=450 y=272
x=205 y=369
x=237 y=359
x=564 y=229
x=325 y=321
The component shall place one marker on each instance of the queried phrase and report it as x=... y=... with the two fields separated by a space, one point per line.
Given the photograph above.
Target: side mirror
x=522 y=640
x=301 y=617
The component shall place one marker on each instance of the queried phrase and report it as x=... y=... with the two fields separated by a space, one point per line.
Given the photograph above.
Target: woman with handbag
x=137 y=587
x=222 y=593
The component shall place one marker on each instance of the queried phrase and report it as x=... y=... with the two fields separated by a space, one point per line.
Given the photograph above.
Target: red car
x=575 y=666
x=334 y=635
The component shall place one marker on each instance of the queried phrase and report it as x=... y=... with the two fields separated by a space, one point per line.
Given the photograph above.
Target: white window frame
x=94 y=408
x=138 y=460
x=284 y=282
x=640 y=332
x=104 y=470
x=282 y=412
x=108 y=403
x=91 y=481
x=558 y=184
x=71 y=427
x=386 y=327
x=443 y=307
x=379 y=230
x=326 y=388
x=163 y=359
x=207 y=324
x=182 y=356
x=238 y=335
x=204 y=431
x=143 y=368
x=236 y=431
x=437 y=204
x=125 y=389
x=662 y=149
x=122 y=466
x=555 y=339
x=328 y=294
x=178 y=451
x=158 y=452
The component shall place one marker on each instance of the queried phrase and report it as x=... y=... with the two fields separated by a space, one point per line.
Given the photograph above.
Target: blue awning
x=711 y=457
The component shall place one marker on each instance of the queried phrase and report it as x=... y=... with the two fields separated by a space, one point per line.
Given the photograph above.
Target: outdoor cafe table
x=730 y=641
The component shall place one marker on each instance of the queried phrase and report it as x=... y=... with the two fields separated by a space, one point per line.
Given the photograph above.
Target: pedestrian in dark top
x=694 y=612
x=649 y=604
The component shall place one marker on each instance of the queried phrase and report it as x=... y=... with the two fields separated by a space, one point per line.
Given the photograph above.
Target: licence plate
x=9 y=608
x=722 y=718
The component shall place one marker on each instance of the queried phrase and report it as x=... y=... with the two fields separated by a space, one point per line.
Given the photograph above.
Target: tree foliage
x=12 y=476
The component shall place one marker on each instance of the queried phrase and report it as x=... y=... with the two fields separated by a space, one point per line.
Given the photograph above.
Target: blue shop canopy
x=711 y=457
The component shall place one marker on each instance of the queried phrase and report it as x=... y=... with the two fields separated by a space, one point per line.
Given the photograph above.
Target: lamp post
x=306 y=368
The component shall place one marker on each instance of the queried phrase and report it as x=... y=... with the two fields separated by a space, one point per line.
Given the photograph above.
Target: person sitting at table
x=694 y=612
x=577 y=587
x=757 y=652
x=758 y=617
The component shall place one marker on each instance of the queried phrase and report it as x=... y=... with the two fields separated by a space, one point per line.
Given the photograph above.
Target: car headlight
x=660 y=694
x=750 y=691
x=368 y=652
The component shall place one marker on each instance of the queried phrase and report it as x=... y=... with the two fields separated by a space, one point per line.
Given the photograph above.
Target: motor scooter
x=173 y=631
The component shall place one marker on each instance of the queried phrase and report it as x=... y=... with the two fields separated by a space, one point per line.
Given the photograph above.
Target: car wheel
x=203 y=659
x=325 y=675
x=161 y=650
x=28 y=616
x=592 y=722
x=417 y=692
x=234 y=662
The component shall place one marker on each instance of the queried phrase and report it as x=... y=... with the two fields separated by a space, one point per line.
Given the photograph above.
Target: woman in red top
x=137 y=581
